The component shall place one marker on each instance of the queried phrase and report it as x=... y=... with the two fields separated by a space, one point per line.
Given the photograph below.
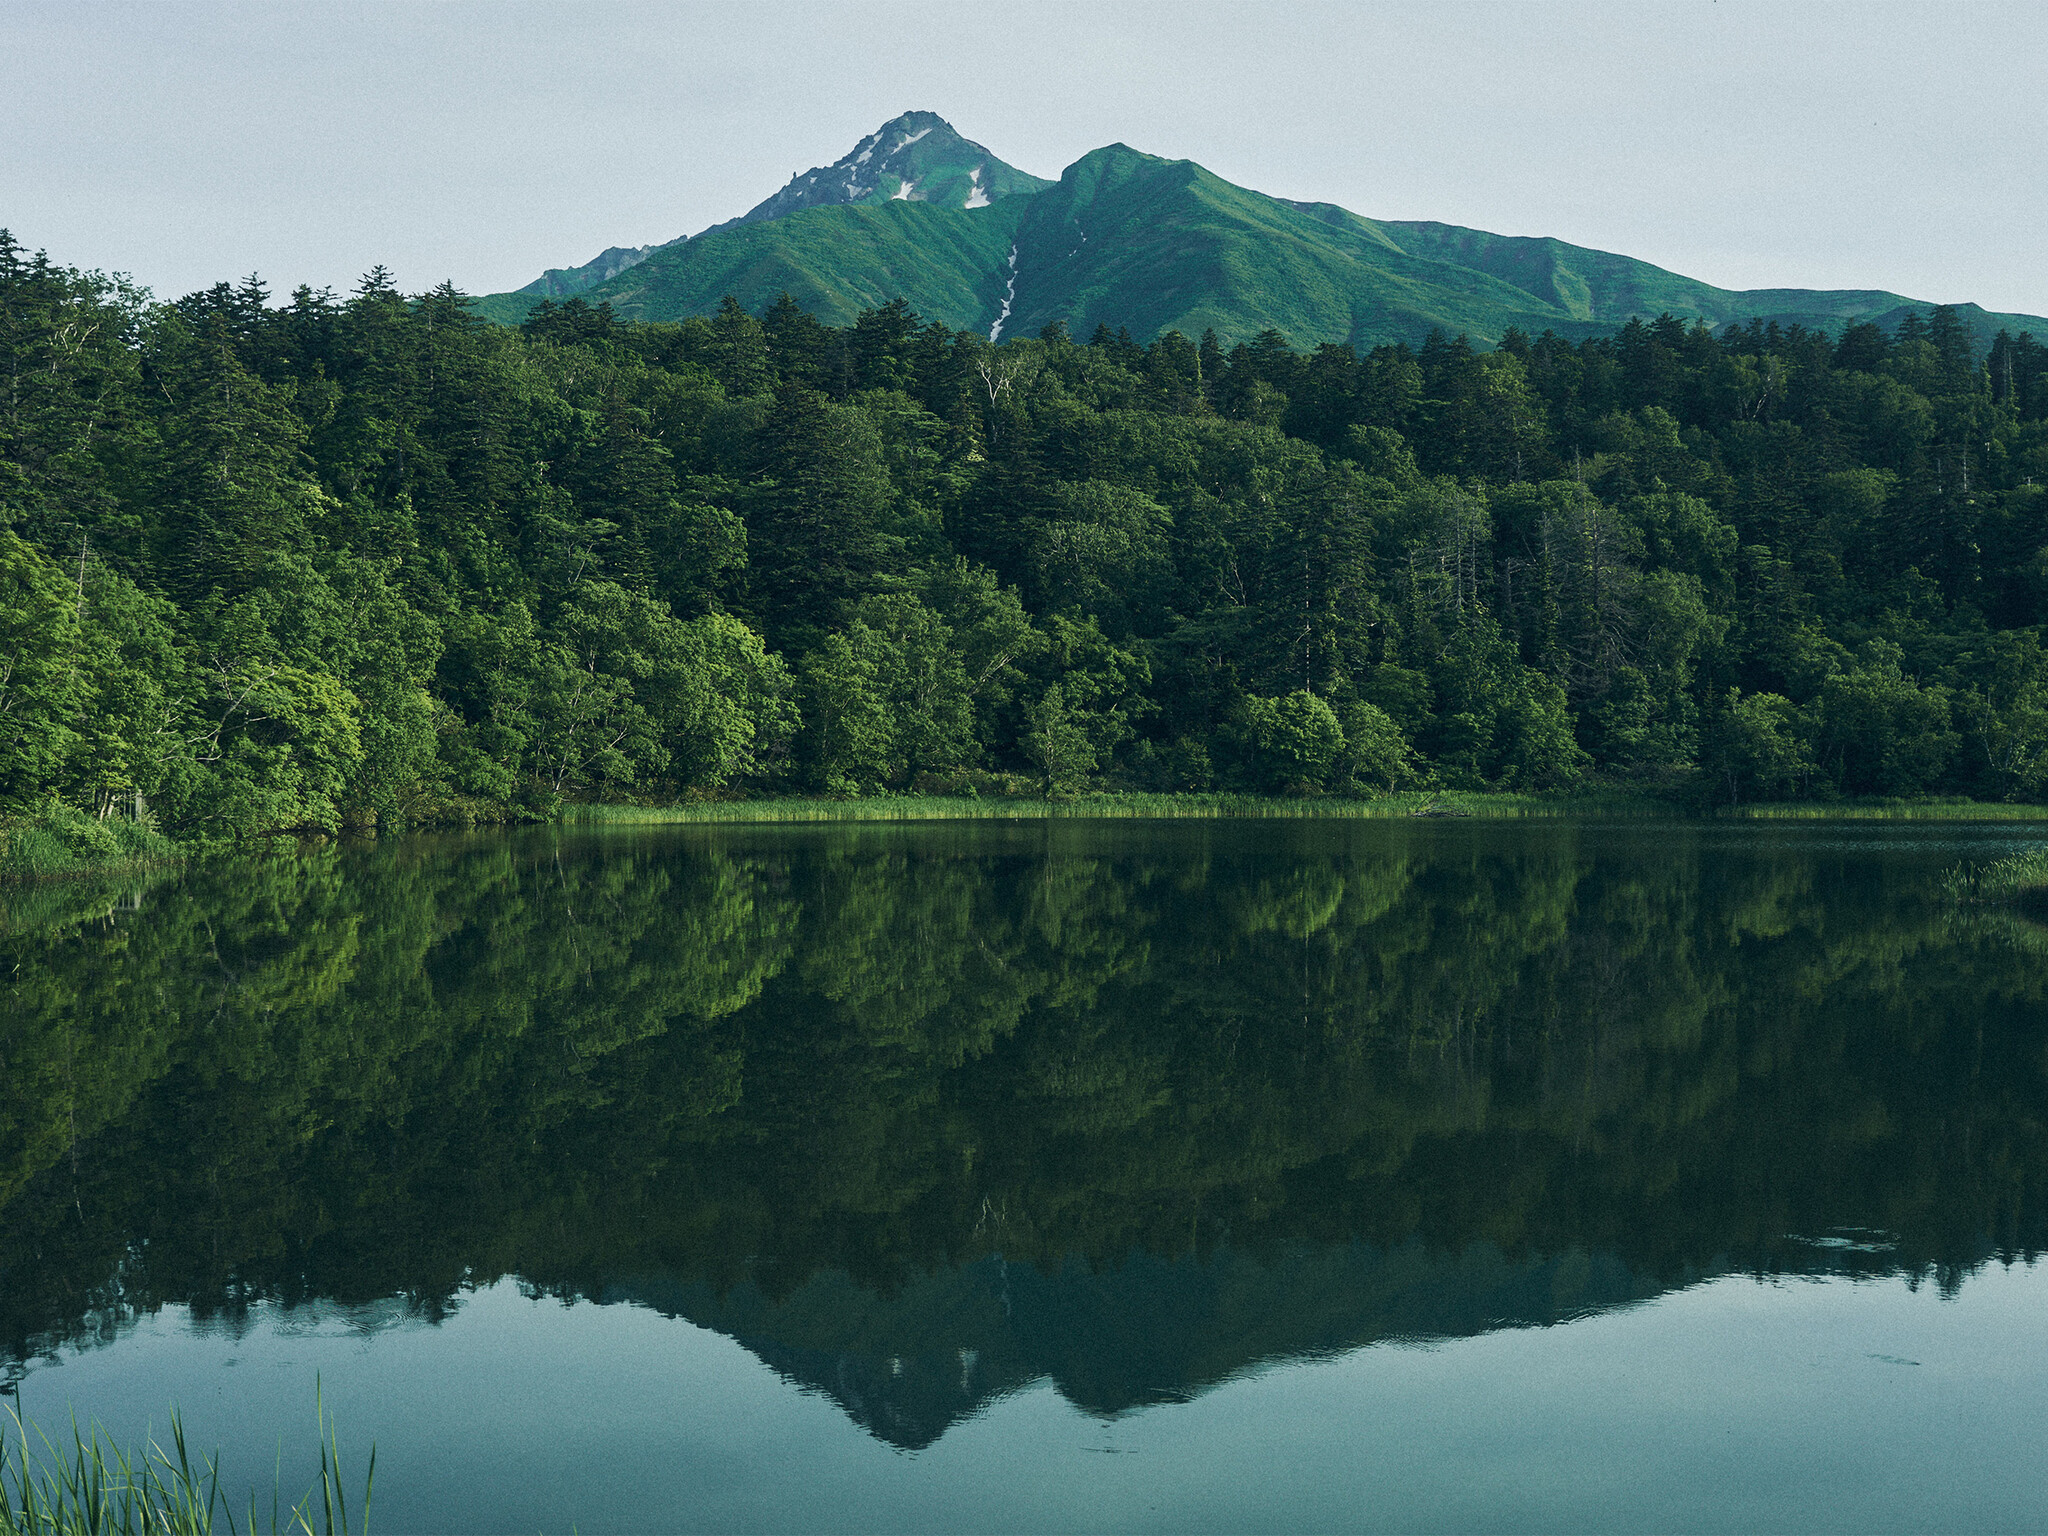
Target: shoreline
x=1473 y=805
x=46 y=849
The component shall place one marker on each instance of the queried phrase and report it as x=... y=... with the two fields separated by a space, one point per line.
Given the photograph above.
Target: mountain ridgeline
x=1130 y=240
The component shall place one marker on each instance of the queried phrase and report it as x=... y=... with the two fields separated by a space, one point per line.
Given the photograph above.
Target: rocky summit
x=917 y=157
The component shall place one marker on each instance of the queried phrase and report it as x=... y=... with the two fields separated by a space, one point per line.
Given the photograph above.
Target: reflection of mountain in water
x=909 y=1365
x=925 y=1113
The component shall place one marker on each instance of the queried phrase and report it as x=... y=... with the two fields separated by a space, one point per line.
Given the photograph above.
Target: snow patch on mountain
x=857 y=177
x=1009 y=297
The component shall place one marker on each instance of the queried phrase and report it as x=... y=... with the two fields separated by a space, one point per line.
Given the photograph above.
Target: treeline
x=374 y=561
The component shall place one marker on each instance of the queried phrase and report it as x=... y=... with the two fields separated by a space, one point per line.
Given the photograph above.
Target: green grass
x=2008 y=879
x=61 y=841
x=1108 y=807
x=1884 y=810
x=1114 y=806
x=95 y=1487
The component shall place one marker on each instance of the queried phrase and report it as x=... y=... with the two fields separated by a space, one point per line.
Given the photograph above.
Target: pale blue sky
x=1816 y=145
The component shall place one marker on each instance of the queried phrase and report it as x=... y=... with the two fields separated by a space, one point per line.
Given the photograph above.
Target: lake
x=1104 y=1176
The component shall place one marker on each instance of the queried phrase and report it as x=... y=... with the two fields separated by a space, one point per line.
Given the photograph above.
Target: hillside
x=917 y=157
x=834 y=261
x=1130 y=240
x=1125 y=239
x=1611 y=289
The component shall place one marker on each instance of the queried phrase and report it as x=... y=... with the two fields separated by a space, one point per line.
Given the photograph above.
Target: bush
x=1295 y=742
x=63 y=840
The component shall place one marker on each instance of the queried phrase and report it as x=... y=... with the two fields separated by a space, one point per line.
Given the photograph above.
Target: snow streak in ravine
x=1009 y=297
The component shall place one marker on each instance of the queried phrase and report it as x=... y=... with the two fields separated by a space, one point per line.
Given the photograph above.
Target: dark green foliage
x=374 y=562
x=760 y=1061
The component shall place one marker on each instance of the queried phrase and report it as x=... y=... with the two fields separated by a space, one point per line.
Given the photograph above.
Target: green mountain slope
x=1128 y=239
x=1132 y=240
x=917 y=157
x=945 y=262
x=565 y=282
x=1123 y=238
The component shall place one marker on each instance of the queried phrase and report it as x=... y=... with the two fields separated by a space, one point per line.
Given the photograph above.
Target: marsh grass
x=2009 y=879
x=1111 y=807
x=61 y=840
x=98 y=1488
x=1883 y=810
x=1477 y=804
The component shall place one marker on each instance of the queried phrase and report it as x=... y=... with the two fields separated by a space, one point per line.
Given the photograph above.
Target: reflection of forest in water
x=920 y=1113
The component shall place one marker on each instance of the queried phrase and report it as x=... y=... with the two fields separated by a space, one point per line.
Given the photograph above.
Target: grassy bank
x=1212 y=806
x=1883 y=810
x=61 y=841
x=1111 y=807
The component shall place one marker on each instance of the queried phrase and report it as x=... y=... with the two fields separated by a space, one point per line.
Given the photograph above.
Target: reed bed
x=1112 y=807
x=1883 y=810
x=98 y=1488
x=61 y=841
x=2013 y=878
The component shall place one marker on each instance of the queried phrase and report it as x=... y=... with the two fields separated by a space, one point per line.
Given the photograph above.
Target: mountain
x=907 y=1364
x=1126 y=239
x=916 y=158
x=564 y=282
x=1598 y=285
x=834 y=261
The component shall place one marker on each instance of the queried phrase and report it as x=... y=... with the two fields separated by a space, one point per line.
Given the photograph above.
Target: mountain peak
x=915 y=156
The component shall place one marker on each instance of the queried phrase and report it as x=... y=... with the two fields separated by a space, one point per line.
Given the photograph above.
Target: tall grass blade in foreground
x=99 y=1489
x=333 y=1496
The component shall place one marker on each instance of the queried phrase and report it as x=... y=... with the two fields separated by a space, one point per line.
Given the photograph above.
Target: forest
x=374 y=562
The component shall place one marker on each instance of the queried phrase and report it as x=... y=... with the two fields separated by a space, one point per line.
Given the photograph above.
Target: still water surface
x=1091 y=1176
